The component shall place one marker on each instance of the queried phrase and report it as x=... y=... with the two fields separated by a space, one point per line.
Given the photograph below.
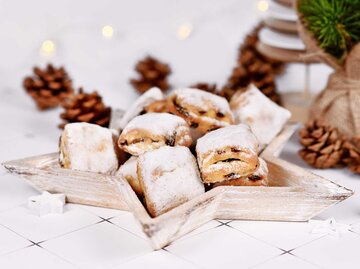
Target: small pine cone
x=322 y=145
x=49 y=87
x=351 y=156
x=227 y=92
x=86 y=107
x=211 y=88
x=152 y=73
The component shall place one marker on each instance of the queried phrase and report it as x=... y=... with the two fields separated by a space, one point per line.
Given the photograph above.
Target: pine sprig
x=335 y=23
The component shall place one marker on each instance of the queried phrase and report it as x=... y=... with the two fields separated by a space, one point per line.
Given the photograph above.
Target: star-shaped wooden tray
x=294 y=194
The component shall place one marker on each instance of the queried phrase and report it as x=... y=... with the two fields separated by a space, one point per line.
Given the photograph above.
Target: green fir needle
x=335 y=23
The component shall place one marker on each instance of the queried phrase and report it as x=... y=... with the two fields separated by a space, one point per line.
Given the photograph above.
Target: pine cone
x=351 y=156
x=322 y=145
x=49 y=87
x=86 y=107
x=211 y=88
x=152 y=73
x=253 y=67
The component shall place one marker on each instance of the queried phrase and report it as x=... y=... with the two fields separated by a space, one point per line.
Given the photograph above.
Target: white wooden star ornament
x=47 y=203
x=328 y=227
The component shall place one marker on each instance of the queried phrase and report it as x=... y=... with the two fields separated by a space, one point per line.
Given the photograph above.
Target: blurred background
x=99 y=43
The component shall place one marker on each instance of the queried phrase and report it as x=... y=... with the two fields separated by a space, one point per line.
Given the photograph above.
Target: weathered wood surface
x=45 y=174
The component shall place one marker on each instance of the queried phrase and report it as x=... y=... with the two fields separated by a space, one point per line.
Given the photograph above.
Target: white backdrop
x=141 y=27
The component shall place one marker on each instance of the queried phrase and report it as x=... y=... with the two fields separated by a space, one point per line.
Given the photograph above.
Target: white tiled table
x=89 y=237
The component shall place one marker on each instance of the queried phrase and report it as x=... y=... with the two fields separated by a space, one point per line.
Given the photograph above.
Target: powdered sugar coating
x=138 y=106
x=128 y=168
x=88 y=147
x=201 y=99
x=128 y=171
x=157 y=123
x=238 y=136
x=170 y=177
x=265 y=117
x=263 y=170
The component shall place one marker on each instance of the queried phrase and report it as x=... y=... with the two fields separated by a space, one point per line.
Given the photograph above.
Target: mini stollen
x=169 y=177
x=154 y=130
x=265 y=118
x=139 y=106
x=202 y=110
x=88 y=147
x=227 y=153
x=258 y=178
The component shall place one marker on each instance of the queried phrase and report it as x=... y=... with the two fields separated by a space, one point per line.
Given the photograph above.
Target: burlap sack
x=339 y=103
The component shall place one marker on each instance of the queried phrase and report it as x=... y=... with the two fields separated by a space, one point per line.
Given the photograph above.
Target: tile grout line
x=36 y=245
x=103 y=220
x=147 y=240
x=315 y=264
x=32 y=243
x=253 y=237
x=91 y=212
x=142 y=255
x=224 y=222
x=183 y=258
x=310 y=262
x=268 y=260
x=186 y=260
x=278 y=256
x=307 y=243
x=187 y=236
x=284 y=250
x=17 y=233
x=56 y=255
x=16 y=250
x=76 y=230
x=51 y=238
x=119 y=227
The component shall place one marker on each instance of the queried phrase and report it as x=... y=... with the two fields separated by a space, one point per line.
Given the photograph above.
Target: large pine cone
x=253 y=67
x=322 y=145
x=86 y=107
x=49 y=87
x=152 y=73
